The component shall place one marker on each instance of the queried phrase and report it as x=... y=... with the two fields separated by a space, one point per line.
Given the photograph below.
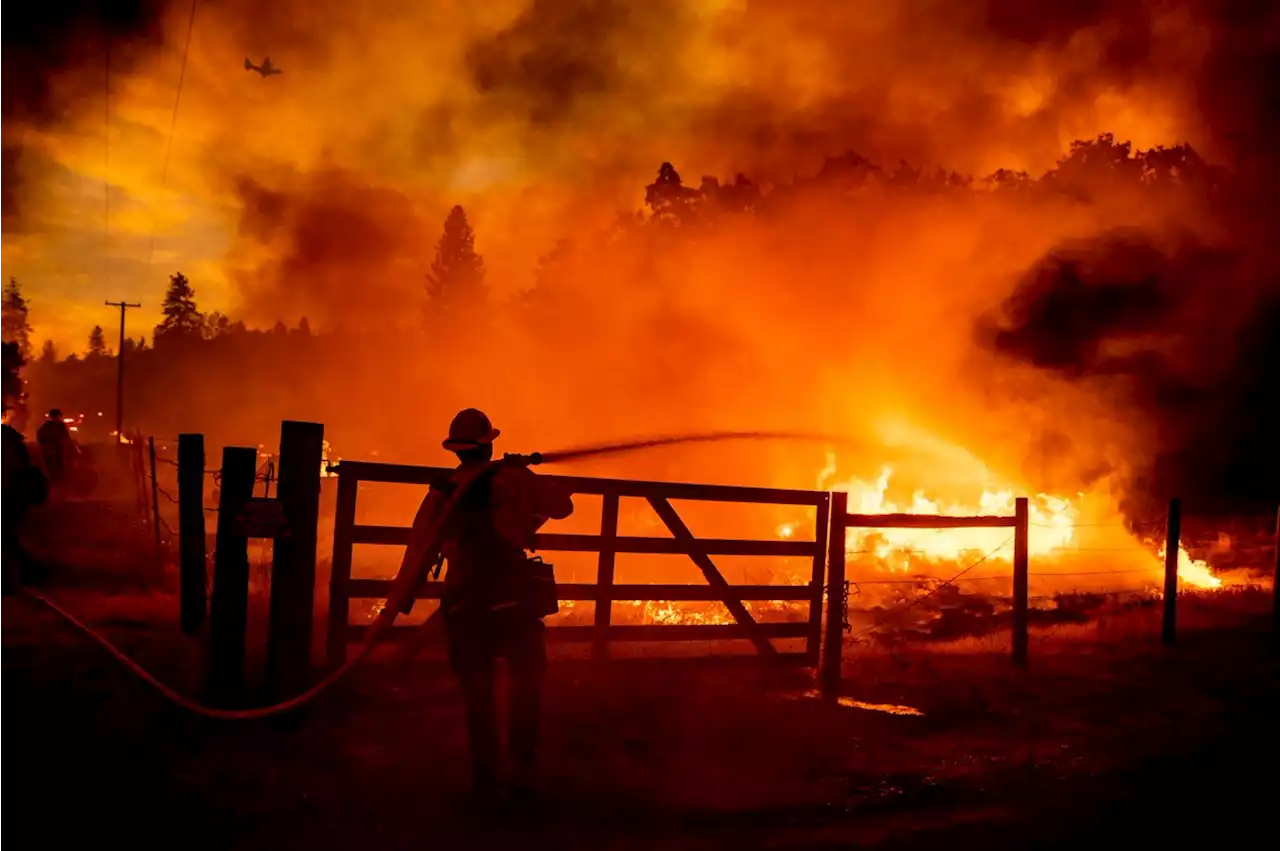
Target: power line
x=173 y=124
x=106 y=165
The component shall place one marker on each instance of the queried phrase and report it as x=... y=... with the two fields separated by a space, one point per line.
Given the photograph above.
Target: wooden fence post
x=340 y=571
x=191 y=531
x=1169 y=628
x=1275 y=588
x=604 y=576
x=228 y=615
x=813 y=640
x=832 y=657
x=1021 y=580
x=293 y=567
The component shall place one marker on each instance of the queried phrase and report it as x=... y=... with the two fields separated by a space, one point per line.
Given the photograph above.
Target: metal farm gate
x=343 y=587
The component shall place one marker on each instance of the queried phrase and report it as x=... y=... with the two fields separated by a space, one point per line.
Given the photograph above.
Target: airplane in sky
x=266 y=69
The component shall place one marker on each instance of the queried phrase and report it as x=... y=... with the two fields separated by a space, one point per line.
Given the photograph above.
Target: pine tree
x=48 y=353
x=455 y=284
x=13 y=363
x=16 y=322
x=97 y=343
x=182 y=319
x=304 y=327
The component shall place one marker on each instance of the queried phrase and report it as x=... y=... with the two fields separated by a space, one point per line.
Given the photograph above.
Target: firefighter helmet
x=470 y=429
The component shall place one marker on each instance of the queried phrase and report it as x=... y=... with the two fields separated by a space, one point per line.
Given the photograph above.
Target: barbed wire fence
x=265 y=475
x=1154 y=531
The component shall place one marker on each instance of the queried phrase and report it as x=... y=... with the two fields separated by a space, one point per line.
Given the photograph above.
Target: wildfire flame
x=326 y=458
x=1052 y=519
x=1053 y=535
x=1193 y=572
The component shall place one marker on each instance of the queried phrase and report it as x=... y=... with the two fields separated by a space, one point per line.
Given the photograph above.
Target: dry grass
x=674 y=753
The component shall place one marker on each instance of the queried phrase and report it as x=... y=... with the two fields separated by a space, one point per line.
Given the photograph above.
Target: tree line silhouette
x=455 y=291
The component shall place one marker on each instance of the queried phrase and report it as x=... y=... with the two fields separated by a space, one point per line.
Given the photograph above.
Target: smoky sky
x=1153 y=321
x=63 y=40
x=41 y=40
x=574 y=62
x=1181 y=328
x=552 y=56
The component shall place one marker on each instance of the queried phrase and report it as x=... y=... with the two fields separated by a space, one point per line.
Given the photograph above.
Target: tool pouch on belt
x=542 y=594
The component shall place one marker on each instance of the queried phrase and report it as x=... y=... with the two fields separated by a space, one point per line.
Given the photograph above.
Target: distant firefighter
x=489 y=605
x=56 y=446
x=24 y=487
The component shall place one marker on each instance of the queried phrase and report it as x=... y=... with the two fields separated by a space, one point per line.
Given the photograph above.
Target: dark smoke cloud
x=1056 y=21
x=1080 y=297
x=44 y=40
x=340 y=250
x=55 y=54
x=1184 y=334
x=555 y=56
x=1238 y=83
x=1186 y=337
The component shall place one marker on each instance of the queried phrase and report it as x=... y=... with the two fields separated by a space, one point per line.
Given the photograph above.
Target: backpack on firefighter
x=504 y=577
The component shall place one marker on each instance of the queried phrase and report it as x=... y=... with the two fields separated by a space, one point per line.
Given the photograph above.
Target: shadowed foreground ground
x=1105 y=738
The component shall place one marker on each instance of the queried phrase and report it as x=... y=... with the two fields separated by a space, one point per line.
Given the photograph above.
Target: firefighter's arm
x=553 y=500
x=538 y=496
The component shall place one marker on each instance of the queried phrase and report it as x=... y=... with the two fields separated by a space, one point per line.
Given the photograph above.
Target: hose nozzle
x=530 y=460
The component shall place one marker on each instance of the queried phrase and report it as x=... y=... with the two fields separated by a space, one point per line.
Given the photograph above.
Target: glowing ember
x=887 y=708
x=667 y=612
x=326 y=459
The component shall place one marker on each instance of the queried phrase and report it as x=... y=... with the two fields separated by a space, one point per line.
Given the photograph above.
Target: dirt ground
x=1108 y=736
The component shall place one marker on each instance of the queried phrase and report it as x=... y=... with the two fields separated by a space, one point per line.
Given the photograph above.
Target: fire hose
x=410 y=575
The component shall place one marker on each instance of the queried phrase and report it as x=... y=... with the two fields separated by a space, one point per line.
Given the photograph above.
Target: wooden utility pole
x=191 y=532
x=1169 y=629
x=293 y=567
x=123 y=305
